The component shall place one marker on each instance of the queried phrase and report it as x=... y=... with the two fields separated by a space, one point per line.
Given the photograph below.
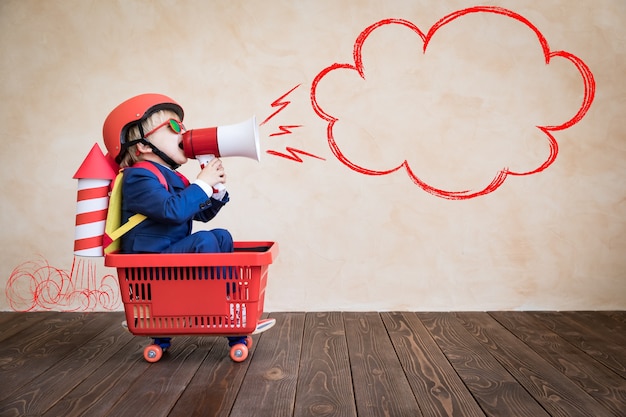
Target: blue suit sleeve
x=143 y=193
x=211 y=211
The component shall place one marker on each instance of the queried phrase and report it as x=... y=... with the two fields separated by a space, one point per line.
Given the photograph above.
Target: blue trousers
x=204 y=241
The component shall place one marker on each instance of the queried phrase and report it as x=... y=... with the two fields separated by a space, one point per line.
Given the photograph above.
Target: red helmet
x=129 y=113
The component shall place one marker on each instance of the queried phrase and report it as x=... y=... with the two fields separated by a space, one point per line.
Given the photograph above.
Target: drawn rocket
x=94 y=181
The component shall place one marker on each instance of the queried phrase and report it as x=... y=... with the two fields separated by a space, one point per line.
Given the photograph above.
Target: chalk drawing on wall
x=36 y=285
x=358 y=75
x=292 y=154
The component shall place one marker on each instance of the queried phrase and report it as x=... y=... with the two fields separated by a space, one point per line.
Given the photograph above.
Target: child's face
x=169 y=142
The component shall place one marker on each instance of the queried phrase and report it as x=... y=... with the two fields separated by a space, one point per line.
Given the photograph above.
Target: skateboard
x=239 y=345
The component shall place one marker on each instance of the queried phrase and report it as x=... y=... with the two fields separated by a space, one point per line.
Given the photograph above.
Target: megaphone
x=240 y=139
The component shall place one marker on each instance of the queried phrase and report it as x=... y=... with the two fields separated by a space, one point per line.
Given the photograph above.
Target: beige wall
x=459 y=114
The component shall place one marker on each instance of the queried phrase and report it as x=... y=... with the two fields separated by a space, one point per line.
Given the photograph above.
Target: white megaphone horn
x=240 y=139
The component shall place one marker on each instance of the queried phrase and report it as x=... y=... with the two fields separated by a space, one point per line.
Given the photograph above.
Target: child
x=149 y=127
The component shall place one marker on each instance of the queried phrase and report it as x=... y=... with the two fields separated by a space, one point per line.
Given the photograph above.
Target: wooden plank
x=269 y=389
x=617 y=316
x=156 y=390
x=214 y=388
x=440 y=391
x=87 y=355
x=76 y=364
x=556 y=393
x=608 y=388
x=604 y=326
x=324 y=382
x=96 y=394
x=33 y=351
x=380 y=386
x=594 y=343
x=13 y=323
x=612 y=321
x=497 y=392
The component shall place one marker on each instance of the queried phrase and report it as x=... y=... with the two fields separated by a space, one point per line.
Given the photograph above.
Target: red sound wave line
x=284 y=130
x=279 y=103
x=293 y=156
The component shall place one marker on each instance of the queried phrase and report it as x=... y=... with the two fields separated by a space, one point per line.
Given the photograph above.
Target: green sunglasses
x=175 y=125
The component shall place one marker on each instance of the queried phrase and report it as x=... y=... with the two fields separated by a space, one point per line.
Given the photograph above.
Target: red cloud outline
x=498 y=180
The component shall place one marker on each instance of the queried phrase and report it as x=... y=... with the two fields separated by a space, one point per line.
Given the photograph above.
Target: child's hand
x=213 y=173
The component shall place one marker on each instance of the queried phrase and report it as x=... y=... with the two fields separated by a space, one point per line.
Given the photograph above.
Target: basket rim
x=250 y=253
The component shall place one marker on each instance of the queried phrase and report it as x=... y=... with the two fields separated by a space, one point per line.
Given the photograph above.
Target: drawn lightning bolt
x=280 y=104
x=284 y=130
x=292 y=153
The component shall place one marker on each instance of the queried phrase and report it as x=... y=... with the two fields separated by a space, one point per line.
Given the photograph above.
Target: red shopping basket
x=194 y=293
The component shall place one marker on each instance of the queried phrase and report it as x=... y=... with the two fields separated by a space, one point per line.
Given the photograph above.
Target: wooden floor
x=322 y=364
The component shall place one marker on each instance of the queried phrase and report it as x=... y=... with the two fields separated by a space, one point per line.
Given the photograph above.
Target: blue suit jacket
x=170 y=212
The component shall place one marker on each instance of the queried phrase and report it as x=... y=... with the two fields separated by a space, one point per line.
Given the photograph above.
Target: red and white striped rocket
x=94 y=183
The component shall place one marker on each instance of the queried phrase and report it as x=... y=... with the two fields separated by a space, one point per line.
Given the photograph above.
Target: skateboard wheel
x=239 y=352
x=152 y=353
x=249 y=342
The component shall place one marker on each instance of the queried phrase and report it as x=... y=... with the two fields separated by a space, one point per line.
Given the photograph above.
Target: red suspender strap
x=152 y=168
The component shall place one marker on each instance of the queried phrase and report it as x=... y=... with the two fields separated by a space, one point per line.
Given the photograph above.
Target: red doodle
x=280 y=104
x=35 y=286
x=285 y=130
x=498 y=180
x=293 y=154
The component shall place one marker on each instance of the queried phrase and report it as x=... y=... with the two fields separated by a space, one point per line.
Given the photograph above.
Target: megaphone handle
x=205 y=159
